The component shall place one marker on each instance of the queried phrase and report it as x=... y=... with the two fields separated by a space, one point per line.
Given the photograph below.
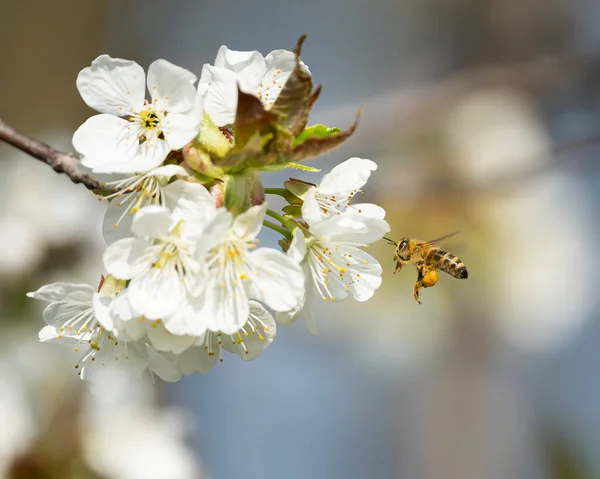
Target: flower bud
x=242 y=191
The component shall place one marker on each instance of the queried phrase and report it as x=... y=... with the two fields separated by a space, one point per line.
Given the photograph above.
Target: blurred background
x=483 y=116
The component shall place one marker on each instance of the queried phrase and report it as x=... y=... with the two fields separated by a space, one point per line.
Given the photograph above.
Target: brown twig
x=60 y=162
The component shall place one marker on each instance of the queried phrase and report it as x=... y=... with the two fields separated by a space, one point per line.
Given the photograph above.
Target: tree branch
x=60 y=162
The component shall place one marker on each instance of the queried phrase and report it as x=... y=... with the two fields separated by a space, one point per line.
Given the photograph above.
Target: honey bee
x=428 y=258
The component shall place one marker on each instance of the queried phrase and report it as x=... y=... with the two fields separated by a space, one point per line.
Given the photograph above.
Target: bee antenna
x=390 y=241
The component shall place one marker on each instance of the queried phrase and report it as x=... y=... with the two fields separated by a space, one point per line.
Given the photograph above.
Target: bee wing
x=437 y=240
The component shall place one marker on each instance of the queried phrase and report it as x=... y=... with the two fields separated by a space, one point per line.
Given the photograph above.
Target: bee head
x=402 y=249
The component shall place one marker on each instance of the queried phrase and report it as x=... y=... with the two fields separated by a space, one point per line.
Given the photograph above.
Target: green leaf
x=251 y=117
x=318 y=145
x=318 y=131
x=283 y=166
x=295 y=99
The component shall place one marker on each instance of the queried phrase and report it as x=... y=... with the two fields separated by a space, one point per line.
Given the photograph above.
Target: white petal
x=180 y=129
x=156 y=294
x=297 y=250
x=187 y=318
x=220 y=94
x=162 y=340
x=226 y=308
x=370 y=210
x=288 y=317
x=112 y=85
x=143 y=157
x=164 y=365
x=167 y=171
x=190 y=198
x=311 y=211
x=248 y=224
x=249 y=345
x=104 y=138
x=350 y=175
x=278 y=280
x=347 y=223
x=250 y=67
x=283 y=60
x=152 y=221
x=120 y=308
x=82 y=293
x=196 y=360
x=215 y=232
x=375 y=229
x=120 y=257
x=172 y=85
x=102 y=311
x=49 y=334
x=364 y=286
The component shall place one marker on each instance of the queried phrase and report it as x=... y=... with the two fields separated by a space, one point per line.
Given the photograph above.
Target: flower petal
x=348 y=176
x=171 y=86
x=102 y=138
x=142 y=157
x=248 y=224
x=219 y=92
x=251 y=343
x=112 y=85
x=101 y=306
x=81 y=293
x=278 y=280
x=152 y=221
x=120 y=257
x=162 y=340
x=297 y=250
x=197 y=359
x=157 y=293
x=164 y=365
x=226 y=308
x=180 y=129
x=370 y=210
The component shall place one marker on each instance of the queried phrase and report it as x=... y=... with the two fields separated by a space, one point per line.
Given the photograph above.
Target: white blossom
x=261 y=76
x=133 y=134
x=239 y=271
x=161 y=264
x=334 y=261
x=77 y=316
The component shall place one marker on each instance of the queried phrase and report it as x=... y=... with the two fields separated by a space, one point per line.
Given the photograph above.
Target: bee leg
x=398 y=266
x=419 y=285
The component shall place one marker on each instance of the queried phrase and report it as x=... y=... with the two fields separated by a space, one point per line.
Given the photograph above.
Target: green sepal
x=316 y=131
x=293 y=210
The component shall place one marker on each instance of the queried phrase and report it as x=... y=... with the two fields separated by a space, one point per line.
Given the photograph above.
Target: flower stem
x=277 y=216
x=276 y=191
x=279 y=229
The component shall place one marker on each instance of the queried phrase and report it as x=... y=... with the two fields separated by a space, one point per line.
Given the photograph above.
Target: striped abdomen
x=448 y=263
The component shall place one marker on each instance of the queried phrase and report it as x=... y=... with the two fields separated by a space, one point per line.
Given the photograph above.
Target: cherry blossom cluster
x=185 y=278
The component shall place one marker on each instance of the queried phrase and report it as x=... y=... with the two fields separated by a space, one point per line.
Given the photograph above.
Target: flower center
x=148 y=119
x=134 y=193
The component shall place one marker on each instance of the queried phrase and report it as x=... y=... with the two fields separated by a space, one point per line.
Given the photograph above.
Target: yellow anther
x=243 y=276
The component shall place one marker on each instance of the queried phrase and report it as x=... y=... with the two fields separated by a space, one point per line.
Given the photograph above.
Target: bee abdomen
x=450 y=264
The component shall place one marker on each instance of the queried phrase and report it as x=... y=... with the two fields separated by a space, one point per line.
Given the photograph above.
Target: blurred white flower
x=115 y=87
x=261 y=76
